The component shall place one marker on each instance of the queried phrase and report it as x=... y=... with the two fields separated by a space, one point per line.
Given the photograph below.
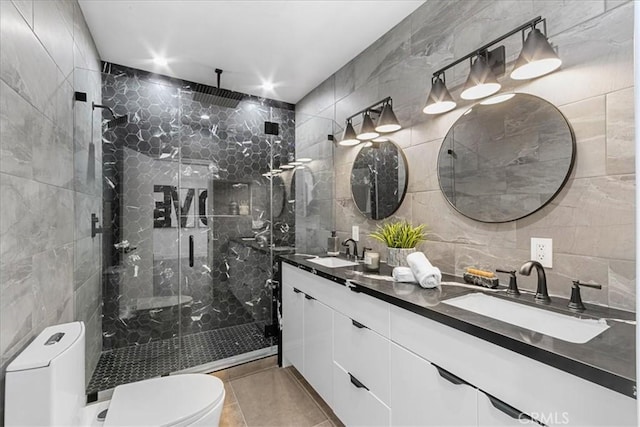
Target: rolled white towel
x=426 y=274
x=403 y=274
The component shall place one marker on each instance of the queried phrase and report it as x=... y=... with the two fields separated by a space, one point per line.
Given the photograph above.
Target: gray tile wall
x=42 y=281
x=591 y=220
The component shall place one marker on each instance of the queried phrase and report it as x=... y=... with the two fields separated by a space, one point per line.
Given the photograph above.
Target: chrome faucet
x=542 y=295
x=355 y=248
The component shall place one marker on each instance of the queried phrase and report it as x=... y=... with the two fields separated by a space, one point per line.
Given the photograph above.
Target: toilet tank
x=45 y=382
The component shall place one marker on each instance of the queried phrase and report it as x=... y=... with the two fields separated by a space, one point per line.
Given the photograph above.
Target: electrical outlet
x=542 y=251
x=355 y=232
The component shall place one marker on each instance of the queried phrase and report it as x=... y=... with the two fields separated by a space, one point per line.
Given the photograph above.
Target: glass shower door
x=228 y=239
x=193 y=213
x=140 y=227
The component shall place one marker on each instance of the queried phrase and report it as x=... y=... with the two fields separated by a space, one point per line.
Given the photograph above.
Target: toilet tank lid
x=49 y=344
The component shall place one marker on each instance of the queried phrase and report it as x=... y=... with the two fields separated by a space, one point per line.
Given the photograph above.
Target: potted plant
x=401 y=239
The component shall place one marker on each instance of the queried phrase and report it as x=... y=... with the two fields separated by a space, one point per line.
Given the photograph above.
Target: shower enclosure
x=193 y=214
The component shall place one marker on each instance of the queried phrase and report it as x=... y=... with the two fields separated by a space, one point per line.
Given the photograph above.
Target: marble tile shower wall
x=45 y=255
x=591 y=220
x=223 y=150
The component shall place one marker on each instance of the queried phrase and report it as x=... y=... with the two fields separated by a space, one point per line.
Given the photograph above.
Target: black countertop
x=607 y=360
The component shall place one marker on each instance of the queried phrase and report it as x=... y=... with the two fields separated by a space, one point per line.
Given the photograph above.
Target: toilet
x=45 y=387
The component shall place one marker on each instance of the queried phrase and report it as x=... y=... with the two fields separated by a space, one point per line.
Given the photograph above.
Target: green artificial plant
x=400 y=234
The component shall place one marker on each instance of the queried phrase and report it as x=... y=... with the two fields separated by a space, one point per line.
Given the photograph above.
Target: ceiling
x=294 y=44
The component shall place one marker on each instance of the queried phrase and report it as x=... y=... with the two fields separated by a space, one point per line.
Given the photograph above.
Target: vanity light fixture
x=439 y=100
x=368 y=129
x=381 y=113
x=388 y=122
x=349 y=136
x=481 y=82
x=536 y=59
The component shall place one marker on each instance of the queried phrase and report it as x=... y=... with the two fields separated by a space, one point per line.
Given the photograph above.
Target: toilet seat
x=173 y=401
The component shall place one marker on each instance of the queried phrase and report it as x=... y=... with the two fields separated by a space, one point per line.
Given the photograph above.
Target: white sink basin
x=566 y=328
x=332 y=262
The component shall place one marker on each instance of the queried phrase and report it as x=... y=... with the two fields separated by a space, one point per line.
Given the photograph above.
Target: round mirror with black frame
x=379 y=179
x=506 y=157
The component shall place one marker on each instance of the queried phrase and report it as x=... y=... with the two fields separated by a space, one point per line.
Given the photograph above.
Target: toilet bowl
x=45 y=387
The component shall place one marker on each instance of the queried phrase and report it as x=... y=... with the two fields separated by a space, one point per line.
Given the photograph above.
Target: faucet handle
x=513 y=281
x=575 y=303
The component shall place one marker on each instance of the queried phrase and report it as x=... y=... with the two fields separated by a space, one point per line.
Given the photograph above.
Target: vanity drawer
x=323 y=290
x=354 y=404
x=368 y=310
x=363 y=353
x=504 y=372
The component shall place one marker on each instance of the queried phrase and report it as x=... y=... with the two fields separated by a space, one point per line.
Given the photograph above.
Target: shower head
x=116 y=120
x=209 y=95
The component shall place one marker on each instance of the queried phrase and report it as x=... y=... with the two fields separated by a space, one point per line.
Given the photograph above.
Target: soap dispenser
x=333 y=246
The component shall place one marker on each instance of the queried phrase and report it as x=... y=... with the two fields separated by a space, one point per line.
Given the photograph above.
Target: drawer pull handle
x=308 y=296
x=352 y=287
x=450 y=377
x=507 y=409
x=297 y=291
x=357 y=383
x=358 y=324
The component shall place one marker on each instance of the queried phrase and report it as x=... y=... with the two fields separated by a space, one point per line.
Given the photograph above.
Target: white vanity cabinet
x=317 y=348
x=376 y=364
x=361 y=372
x=307 y=338
x=292 y=325
x=423 y=394
x=363 y=353
x=548 y=394
x=354 y=403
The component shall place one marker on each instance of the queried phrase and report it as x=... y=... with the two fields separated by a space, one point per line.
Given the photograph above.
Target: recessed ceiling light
x=160 y=61
x=268 y=86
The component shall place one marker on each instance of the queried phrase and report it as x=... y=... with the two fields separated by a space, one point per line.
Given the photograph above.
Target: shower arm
x=104 y=107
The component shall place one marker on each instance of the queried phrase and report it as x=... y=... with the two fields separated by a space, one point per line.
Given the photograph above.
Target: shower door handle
x=191 y=251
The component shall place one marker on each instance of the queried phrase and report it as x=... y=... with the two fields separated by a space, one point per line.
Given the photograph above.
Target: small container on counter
x=372 y=261
x=333 y=246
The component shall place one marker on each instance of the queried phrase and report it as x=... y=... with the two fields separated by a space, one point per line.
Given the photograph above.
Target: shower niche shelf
x=230 y=197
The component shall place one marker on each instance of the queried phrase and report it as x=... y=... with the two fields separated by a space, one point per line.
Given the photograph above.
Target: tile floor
x=139 y=362
x=262 y=394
